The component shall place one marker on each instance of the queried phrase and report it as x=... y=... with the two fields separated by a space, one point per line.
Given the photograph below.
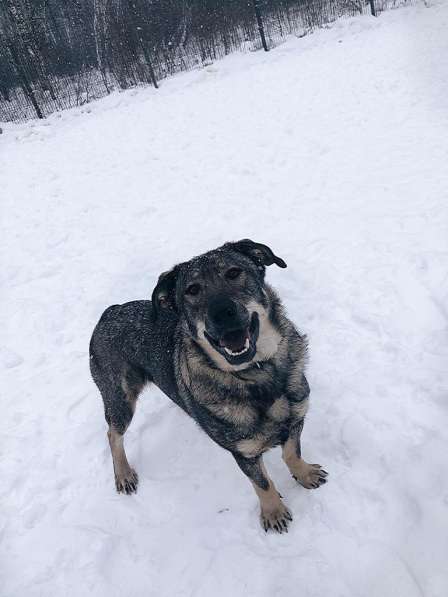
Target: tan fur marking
x=273 y=512
x=289 y=453
x=131 y=394
x=121 y=464
x=235 y=413
x=270 y=499
x=308 y=475
x=130 y=398
x=279 y=411
x=268 y=338
x=126 y=479
x=250 y=447
x=299 y=409
x=297 y=369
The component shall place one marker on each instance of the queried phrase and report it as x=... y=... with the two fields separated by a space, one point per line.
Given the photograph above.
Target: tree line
x=56 y=54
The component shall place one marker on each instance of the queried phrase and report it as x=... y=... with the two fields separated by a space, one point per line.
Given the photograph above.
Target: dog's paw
x=277 y=519
x=310 y=476
x=127 y=482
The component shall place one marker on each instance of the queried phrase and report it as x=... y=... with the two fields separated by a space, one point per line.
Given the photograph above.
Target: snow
x=332 y=149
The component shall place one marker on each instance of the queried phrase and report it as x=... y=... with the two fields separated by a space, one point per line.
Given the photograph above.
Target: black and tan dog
x=215 y=339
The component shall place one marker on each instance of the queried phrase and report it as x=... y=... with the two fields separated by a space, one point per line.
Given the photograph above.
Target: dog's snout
x=221 y=309
x=223 y=313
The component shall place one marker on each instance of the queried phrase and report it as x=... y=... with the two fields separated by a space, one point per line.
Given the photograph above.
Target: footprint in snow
x=9 y=358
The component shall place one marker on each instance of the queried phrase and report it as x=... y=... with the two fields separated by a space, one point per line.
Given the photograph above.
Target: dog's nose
x=223 y=312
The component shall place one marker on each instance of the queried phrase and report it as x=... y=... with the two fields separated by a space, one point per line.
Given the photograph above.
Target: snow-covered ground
x=333 y=149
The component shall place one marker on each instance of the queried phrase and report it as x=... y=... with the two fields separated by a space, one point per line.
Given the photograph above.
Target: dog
x=216 y=340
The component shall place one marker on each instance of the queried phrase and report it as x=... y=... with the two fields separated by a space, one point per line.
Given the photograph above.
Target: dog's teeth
x=246 y=344
x=237 y=354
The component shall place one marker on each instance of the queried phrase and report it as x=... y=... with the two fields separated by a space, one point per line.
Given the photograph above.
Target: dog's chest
x=270 y=430
x=261 y=416
x=271 y=414
x=266 y=394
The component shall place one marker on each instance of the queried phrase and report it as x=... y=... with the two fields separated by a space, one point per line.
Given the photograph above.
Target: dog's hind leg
x=126 y=479
x=310 y=476
x=273 y=512
x=120 y=398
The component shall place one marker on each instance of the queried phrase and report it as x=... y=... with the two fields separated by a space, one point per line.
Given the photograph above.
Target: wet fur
x=246 y=409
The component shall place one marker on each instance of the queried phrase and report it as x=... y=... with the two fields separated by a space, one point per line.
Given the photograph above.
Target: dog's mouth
x=238 y=346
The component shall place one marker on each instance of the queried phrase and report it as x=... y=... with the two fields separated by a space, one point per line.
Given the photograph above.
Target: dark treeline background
x=56 y=54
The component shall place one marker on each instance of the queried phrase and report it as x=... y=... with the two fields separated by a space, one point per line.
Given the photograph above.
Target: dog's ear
x=260 y=254
x=164 y=294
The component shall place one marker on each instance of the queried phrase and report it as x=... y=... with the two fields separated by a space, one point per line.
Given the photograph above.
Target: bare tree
x=60 y=53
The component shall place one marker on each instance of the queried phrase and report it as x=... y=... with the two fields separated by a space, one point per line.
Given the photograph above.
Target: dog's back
x=130 y=348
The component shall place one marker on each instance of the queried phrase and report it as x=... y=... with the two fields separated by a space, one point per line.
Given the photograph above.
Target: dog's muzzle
x=237 y=345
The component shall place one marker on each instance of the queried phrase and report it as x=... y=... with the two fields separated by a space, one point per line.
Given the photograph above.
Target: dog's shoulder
x=131 y=313
x=297 y=389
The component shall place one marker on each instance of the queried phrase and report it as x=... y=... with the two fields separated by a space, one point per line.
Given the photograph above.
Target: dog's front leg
x=310 y=476
x=273 y=513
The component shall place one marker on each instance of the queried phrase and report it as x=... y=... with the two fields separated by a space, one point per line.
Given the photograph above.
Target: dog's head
x=224 y=303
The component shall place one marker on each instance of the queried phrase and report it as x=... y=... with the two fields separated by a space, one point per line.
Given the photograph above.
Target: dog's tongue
x=234 y=341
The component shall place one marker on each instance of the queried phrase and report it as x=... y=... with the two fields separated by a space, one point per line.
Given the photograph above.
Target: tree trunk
x=26 y=84
x=260 y=24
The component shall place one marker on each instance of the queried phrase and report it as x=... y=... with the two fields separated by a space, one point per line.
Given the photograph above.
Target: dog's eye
x=193 y=289
x=233 y=273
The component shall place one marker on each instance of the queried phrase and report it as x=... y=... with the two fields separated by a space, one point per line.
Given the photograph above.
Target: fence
x=56 y=54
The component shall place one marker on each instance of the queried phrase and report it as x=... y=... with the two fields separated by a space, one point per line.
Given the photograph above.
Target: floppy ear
x=164 y=294
x=260 y=254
